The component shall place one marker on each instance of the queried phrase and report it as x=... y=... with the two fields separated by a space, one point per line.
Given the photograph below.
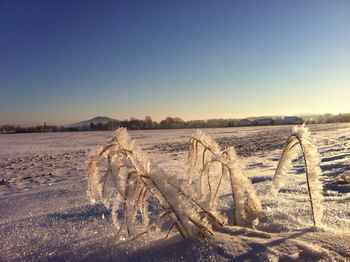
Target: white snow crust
x=45 y=214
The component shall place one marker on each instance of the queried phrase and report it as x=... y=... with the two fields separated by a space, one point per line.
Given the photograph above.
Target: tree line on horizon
x=177 y=123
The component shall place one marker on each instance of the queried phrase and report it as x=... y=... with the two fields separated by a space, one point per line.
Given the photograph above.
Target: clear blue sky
x=66 y=61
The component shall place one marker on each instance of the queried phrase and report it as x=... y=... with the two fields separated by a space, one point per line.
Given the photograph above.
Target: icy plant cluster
x=130 y=185
x=213 y=165
x=123 y=178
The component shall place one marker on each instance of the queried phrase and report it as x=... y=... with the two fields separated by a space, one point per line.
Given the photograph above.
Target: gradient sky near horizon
x=67 y=61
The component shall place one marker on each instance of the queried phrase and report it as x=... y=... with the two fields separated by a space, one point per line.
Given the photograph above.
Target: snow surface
x=45 y=215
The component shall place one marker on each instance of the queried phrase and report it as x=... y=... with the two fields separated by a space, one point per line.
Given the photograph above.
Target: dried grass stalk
x=301 y=137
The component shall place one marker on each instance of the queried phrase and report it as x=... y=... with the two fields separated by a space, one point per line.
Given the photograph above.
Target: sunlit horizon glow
x=62 y=62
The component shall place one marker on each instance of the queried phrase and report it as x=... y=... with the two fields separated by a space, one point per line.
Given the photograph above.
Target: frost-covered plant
x=204 y=154
x=121 y=176
x=129 y=185
x=301 y=136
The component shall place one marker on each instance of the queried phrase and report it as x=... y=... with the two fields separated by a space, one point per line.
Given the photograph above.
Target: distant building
x=244 y=122
x=292 y=120
x=263 y=122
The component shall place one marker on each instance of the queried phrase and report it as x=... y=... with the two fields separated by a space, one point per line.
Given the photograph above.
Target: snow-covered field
x=45 y=215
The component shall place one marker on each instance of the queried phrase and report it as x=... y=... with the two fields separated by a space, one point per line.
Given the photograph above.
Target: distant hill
x=95 y=121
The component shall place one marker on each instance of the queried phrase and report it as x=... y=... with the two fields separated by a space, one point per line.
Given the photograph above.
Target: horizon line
x=128 y=119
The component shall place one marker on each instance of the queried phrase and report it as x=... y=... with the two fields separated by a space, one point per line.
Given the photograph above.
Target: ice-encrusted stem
x=301 y=136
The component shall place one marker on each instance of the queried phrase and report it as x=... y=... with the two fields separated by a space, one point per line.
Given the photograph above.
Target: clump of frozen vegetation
x=301 y=137
x=212 y=165
x=123 y=178
x=129 y=185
